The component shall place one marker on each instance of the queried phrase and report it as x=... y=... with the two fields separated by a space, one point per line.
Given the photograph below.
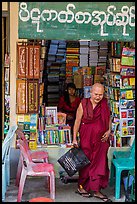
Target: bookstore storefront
x=80 y=42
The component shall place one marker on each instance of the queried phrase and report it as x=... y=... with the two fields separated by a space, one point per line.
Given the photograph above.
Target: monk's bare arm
x=110 y=124
x=107 y=133
x=79 y=114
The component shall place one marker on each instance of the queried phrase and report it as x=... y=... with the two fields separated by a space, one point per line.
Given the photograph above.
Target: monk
x=94 y=125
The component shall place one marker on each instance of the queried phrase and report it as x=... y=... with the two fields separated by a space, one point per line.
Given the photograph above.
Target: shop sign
x=111 y=21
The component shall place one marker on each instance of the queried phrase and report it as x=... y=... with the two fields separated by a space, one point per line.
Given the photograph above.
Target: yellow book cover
x=124 y=131
x=33 y=145
x=72 y=49
x=129 y=94
x=132 y=81
x=26 y=118
x=116 y=108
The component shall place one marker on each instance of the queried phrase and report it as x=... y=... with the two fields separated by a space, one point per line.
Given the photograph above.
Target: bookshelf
x=121 y=92
x=52 y=127
x=127 y=96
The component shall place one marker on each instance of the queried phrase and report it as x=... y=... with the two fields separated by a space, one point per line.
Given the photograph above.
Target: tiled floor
x=35 y=187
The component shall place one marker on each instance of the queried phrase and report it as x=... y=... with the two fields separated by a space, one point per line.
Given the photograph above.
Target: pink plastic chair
x=29 y=168
x=37 y=156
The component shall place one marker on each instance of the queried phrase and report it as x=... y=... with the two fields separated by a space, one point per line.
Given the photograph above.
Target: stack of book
x=61 y=51
x=102 y=53
x=93 y=53
x=84 y=52
x=55 y=70
x=72 y=59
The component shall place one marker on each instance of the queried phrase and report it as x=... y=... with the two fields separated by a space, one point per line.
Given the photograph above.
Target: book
x=75 y=69
x=129 y=94
x=78 y=81
x=87 y=80
x=125 y=82
x=128 y=51
x=131 y=122
x=123 y=103
x=33 y=118
x=129 y=61
x=20 y=118
x=100 y=70
x=123 y=114
x=33 y=127
x=130 y=113
x=127 y=71
x=84 y=42
x=132 y=81
x=131 y=130
x=20 y=125
x=130 y=104
x=124 y=131
x=123 y=94
x=124 y=123
x=61 y=118
x=27 y=126
x=86 y=70
x=27 y=118
x=87 y=91
x=84 y=50
x=27 y=135
x=97 y=78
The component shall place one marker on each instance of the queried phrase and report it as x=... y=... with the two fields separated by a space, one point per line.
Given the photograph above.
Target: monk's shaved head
x=97 y=85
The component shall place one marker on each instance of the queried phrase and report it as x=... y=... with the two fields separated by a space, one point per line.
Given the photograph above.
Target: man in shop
x=94 y=125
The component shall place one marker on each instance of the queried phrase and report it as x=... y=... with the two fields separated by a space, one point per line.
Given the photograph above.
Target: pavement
x=65 y=192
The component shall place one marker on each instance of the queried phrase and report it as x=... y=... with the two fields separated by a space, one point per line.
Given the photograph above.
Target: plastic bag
x=73 y=160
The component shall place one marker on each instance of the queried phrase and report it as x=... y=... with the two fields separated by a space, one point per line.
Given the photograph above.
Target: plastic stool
x=41 y=199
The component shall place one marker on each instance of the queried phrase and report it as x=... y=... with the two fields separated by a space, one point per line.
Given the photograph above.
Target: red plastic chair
x=37 y=156
x=30 y=168
x=41 y=199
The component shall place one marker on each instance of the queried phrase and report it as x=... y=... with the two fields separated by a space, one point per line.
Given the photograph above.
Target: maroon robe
x=95 y=123
x=69 y=110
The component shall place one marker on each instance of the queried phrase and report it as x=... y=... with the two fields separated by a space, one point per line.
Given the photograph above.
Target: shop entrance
x=50 y=65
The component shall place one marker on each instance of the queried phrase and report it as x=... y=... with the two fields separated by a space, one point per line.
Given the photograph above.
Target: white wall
x=13 y=54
